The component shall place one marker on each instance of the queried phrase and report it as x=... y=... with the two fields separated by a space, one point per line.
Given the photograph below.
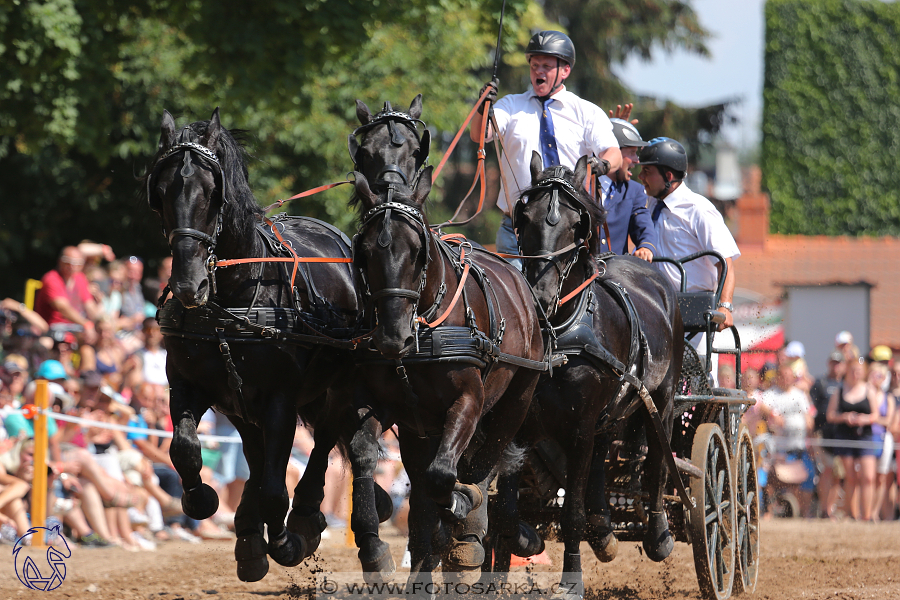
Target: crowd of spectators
x=93 y=336
x=828 y=442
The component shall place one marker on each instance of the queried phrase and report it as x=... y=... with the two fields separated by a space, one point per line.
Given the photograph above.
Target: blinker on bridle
x=187 y=170
x=389 y=117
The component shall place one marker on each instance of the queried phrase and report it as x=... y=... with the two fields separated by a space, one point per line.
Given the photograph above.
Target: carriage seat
x=694 y=308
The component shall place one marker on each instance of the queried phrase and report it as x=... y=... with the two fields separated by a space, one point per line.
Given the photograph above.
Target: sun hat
x=881 y=353
x=795 y=350
x=51 y=369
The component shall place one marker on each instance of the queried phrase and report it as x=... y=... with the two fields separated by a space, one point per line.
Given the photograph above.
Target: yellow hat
x=881 y=353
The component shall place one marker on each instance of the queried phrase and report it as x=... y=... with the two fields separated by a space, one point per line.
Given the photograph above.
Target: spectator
x=109 y=353
x=153 y=355
x=850 y=408
x=15 y=376
x=794 y=354
x=829 y=466
x=65 y=298
x=843 y=343
x=132 y=312
x=788 y=412
x=884 y=418
x=12 y=311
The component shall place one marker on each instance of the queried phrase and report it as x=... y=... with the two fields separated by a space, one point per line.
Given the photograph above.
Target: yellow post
x=39 y=485
x=31 y=288
x=349 y=541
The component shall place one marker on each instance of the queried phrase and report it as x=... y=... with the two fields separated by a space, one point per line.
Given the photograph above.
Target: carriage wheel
x=712 y=519
x=746 y=497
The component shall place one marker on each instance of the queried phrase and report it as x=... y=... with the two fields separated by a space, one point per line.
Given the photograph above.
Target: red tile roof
x=785 y=260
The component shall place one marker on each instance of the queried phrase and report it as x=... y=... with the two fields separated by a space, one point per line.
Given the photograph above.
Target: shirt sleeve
x=640 y=227
x=714 y=234
x=502 y=111
x=600 y=136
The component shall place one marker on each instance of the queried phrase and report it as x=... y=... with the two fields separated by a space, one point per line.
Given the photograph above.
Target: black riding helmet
x=627 y=134
x=552 y=43
x=665 y=152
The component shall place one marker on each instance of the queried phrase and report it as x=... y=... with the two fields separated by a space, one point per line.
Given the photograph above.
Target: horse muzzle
x=191 y=295
x=393 y=347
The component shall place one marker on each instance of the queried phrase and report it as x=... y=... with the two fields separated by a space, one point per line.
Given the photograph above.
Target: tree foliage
x=830 y=119
x=83 y=84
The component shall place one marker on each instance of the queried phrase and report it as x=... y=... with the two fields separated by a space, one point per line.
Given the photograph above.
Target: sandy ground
x=800 y=559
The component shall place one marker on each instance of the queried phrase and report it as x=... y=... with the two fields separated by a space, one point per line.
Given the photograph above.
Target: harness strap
x=412 y=399
x=664 y=443
x=321 y=188
x=580 y=288
x=234 y=380
x=459 y=288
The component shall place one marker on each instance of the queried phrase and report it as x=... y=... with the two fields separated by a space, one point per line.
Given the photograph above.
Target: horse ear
x=424 y=148
x=353 y=146
x=363 y=113
x=166 y=131
x=423 y=187
x=580 y=172
x=537 y=165
x=366 y=196
x=415 y=109
x=210 y=139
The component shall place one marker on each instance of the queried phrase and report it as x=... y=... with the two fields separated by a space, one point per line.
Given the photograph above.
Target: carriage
x=714 y=454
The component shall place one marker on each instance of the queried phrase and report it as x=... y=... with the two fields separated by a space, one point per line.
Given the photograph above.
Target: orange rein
x=295 y=259
x=462 y=281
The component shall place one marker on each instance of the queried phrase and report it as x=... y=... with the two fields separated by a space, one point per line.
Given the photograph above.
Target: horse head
x=389 y=147
x=391 y=251
x=553 y=222
x=187 y=187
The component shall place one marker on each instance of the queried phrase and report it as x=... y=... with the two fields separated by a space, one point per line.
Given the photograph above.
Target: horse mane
x=595 y=210
x=242 y=208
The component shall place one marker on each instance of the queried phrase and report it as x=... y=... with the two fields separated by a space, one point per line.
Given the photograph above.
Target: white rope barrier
x=127 y=428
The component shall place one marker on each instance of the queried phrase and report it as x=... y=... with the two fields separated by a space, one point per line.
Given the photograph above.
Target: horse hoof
x=605 y=548
x=464 y=498
x=384 y=506
x=288 y=549
x=601 y=538
x=658 y=541
x=527 y=542
x=200 y=503
x=309 y=527
x=250 y=554
x=464 y=555
x=380 y=569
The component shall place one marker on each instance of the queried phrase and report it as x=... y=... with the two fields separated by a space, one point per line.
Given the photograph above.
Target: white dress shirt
x=581 y=129
x=690 y=223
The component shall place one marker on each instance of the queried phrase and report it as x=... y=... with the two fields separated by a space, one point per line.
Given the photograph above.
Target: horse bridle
x=415 y=218
x=187 y=170
x=553 y=184
x=388 y=116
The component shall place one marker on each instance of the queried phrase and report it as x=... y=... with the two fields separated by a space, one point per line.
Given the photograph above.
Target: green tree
x=830 y=117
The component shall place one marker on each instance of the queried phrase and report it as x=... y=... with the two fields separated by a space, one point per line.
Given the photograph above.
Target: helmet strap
x=556 y=83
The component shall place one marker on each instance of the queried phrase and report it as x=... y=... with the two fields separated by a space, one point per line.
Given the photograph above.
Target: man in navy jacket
x=625 y=201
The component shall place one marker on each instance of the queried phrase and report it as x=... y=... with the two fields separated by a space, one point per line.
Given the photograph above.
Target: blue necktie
x=656 y=210
x=548 y=137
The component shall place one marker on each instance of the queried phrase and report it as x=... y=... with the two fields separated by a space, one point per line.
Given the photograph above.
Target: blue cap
x=51 y=369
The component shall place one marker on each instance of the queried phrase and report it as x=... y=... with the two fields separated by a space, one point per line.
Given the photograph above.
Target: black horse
x=620 y=326
x=258 y=341
x=458 y=350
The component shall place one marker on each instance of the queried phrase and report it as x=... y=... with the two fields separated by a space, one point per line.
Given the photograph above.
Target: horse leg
x=599 y=531
x=279 y=423
x=658 y=542
x=579 y=454
x=442 y=485
x=374 y=554
x=306 y=519
x=187 y=405
x=250 y=546
x=423 y=516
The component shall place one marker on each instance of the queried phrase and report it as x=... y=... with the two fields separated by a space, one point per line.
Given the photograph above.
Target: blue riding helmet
x=50 y=370
x=665 y=152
